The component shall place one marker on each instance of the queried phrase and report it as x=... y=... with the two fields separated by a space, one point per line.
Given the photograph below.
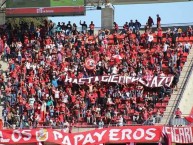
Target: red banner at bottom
x=134 y=134
x=139 y=134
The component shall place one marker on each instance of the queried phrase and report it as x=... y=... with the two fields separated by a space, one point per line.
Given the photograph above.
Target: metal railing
x=164 y=26
x=171 y=114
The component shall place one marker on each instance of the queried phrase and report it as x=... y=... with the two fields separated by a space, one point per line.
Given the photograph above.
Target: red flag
x=167 y=139
x=43 y=111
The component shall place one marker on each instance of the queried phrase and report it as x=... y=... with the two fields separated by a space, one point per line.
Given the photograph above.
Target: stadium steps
x=185 y=106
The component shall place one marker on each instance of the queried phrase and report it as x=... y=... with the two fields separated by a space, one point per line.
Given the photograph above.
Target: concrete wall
x=186 y=103
x=2 y=18
x=107 y=17
x=2 y=13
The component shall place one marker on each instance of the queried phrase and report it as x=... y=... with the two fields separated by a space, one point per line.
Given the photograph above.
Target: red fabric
x=189 y=119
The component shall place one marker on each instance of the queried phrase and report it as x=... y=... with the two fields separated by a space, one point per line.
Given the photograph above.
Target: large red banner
x=183 y=135
x=152 y=82
x=140 y=134
x=137 y=134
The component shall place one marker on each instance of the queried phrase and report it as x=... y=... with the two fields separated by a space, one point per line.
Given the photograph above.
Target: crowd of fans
x=41 y=57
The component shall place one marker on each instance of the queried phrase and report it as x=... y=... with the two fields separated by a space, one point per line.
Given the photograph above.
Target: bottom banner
x=132 y=134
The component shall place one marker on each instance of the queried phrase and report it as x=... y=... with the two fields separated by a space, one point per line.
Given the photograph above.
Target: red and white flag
x=43 y=111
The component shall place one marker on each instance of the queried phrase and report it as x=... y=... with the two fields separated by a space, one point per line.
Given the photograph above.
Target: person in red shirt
x=159 y=35
x=178 y=113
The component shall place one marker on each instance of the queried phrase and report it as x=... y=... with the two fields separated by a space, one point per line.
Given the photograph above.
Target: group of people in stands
x=40 y=58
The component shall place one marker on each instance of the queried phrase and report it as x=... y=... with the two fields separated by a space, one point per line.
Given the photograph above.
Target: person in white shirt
x=19 y=55
x=150 y=40
x=66 y=126
x=109 y=100
x=101 y=123
x=18 y=45
x=34 y=68
x=187 y=47
x=114 y=70
x=56 y=94
x=28 y=65
x=165 y=48
x=65 y=98
x=31 y=101
x=120 y=120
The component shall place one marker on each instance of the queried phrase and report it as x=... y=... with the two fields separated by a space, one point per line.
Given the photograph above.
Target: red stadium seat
x=111 y=42
x=191 y=38
x=186 y=38
x=158 y=105
x=111 y=37
x=164 y=105
x=166 y=99
x=180 y=39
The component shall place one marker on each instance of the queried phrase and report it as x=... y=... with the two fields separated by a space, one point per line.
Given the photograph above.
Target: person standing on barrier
x=91 y=26
x=84 y=27
x=158 y=21
x=150 y=22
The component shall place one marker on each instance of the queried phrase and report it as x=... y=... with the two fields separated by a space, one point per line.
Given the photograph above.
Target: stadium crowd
x=41 y=57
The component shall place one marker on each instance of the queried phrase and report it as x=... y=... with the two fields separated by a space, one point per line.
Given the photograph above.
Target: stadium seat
x=158 y=105
x=191 y=38
x=164 y=39
x=180 y=39
x=186 y=38
x=166 y=99
x=110 y=37
x=111 y=42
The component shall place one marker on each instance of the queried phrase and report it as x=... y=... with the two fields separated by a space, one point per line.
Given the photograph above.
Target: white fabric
x=150 y=38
